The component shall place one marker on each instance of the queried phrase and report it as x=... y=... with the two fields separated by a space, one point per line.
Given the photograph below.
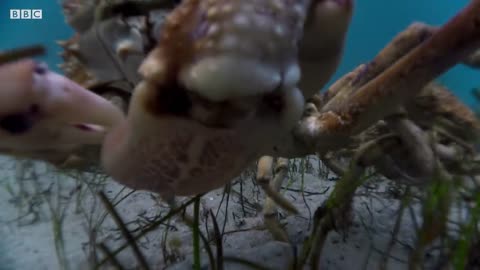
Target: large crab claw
x=43 y=114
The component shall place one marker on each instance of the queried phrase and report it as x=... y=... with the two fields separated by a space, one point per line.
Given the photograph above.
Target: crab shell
x=218 y=91
x=176 y=140
x=177 y=155
x=105 y=56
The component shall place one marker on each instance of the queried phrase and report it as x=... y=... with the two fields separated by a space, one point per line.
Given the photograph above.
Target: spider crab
x=212 y=86
x=111 y=72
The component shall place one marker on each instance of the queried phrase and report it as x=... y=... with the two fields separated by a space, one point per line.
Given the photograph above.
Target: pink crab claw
x=43 y=112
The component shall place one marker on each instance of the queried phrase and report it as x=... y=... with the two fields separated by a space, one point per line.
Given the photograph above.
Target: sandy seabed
x=49 y=221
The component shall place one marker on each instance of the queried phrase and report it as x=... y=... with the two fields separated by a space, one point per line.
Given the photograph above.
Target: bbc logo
x=25 y=14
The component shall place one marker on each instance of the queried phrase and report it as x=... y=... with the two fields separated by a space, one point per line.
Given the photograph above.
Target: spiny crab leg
x=274 y=183
x=43 y=113
x=382 y=95
x=435 y=125
x=264 y=179
x=400 y=45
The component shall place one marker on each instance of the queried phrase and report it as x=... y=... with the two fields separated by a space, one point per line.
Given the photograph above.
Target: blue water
x=52 y=27
x=375 y=23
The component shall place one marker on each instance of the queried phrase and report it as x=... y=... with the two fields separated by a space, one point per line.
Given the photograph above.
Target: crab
x=213 y=86
x=220 y=93
x=216 y=93
x=215 y=96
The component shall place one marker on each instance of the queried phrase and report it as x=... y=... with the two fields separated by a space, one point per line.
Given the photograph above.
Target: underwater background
x=53 y=218
x=375 y=23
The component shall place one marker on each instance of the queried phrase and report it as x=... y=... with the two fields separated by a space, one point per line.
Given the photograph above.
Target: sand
x=27 y=238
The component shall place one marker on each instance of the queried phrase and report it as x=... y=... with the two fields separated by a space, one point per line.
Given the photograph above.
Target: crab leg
x=321 y=47
x=44 y=112
x=381 y=96
x=402 y=44
x=274 y=183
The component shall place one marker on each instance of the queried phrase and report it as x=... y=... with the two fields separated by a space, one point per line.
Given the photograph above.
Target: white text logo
x=25 y=14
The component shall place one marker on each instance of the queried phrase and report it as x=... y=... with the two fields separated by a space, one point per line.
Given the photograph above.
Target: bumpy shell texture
x=106 y=53
x=217 y=90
